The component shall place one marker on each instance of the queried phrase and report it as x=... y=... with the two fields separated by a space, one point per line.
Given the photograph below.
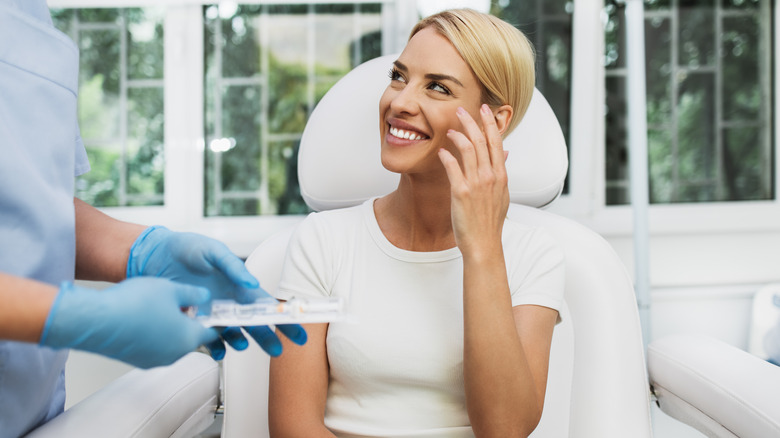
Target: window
x=192 y=110
x=709 y=78
x=120 y=102
x=267 y=66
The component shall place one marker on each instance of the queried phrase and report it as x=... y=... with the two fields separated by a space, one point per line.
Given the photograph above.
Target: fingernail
x=461 y=111
x=485 y=108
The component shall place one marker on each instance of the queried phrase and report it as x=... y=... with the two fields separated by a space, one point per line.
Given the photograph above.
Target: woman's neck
x=416 y=216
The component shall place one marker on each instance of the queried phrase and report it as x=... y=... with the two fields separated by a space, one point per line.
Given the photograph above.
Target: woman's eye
x=439 y=88
x=395 y=75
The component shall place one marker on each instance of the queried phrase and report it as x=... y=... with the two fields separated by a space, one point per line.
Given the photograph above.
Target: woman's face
x=428 y=82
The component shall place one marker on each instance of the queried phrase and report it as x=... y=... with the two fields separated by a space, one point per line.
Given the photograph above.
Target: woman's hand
x=480 y=196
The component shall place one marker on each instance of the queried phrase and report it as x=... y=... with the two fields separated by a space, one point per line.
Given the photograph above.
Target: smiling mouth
x=406 y=135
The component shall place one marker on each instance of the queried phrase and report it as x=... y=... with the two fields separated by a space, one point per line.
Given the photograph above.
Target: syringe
x=265 y=311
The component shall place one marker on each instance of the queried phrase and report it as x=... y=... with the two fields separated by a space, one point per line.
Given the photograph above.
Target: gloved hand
x=138 y=321
x=201 y=261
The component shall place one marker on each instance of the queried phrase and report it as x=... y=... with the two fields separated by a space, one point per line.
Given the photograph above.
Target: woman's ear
x=503 y=115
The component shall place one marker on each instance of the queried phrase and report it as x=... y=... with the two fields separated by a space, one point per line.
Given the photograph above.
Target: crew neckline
x=398 y=253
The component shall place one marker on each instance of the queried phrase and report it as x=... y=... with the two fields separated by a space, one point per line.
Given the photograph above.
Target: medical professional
x=48 y=239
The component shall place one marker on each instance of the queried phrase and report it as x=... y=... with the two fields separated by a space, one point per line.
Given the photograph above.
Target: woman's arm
x=102 y=244
x=298 y=387
x=506 y=350
x=506 y=354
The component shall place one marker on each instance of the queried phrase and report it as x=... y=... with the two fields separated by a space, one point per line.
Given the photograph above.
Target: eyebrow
x=432 y=76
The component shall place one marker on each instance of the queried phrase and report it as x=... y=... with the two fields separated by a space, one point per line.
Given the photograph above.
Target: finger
x=216 y=349
x=235 y=338
x=495 y=143
x=187 y=295
x=232 y=266
x=210 y=339
x=246 y=296
x=266 y=339
x=468 y=158
x=294 y=332
x=451 y=166
x=476 y=136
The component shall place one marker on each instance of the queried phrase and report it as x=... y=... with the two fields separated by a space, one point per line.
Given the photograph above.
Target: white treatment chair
x=598 y=382
x=178 y=401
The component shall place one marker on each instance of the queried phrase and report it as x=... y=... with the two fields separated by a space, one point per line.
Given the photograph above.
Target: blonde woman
x=455 y=303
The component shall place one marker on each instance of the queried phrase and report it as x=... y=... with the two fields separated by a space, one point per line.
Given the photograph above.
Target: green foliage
x=709 y=138
x=124 y=170
x=265 y=119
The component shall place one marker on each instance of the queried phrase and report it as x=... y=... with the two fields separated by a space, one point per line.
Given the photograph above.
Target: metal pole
x=637 y=153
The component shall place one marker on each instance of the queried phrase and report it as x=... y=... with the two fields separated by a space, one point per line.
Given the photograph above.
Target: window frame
x=585 y=202
x=183 y=204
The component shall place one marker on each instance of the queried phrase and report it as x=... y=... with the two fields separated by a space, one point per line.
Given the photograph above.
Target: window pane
x=266 y=68
x=145 y=44
x=745 y=163
x=657 y=4
x=696 y=154
x=614 y=38
x=709 y=136
x=696 y=43
x=617 y=153
x=145 y=146
x=662 y=168
x=120 y=102
x=99 y=84
x=658 y=59
x=240 y=110
x=548 y=24
x=741 y=78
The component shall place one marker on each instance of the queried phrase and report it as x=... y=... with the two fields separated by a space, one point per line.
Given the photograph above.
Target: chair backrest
x=597 y=385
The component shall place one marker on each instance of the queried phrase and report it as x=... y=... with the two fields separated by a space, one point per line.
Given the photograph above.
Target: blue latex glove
x=138 y=321
x=198 y=260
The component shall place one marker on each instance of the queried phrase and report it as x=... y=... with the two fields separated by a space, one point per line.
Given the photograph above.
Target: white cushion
x=179 y=400
x=715 y=387
x=341 y=146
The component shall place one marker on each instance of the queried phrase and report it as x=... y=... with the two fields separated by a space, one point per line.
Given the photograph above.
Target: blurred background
x=192 y=111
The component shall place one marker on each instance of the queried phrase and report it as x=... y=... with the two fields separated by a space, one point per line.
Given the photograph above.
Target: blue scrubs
x=40 y=153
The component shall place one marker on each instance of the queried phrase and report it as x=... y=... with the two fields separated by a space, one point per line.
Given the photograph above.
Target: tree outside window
x=709 y=82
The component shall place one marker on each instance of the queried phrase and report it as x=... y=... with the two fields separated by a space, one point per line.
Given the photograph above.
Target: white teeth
x=407 y=135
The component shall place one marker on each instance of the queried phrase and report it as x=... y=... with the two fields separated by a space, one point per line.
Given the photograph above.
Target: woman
x=453 y=333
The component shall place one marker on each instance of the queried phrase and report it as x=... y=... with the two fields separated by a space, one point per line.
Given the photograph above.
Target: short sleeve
x=307 y=270
x=537 y=271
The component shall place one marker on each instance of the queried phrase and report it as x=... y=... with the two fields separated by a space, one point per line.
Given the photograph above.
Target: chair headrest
x=339 y=163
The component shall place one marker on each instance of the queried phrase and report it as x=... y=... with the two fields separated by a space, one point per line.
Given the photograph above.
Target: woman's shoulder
x=332 y=222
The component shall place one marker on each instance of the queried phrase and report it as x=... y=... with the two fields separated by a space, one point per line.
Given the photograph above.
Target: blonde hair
x=499 y=54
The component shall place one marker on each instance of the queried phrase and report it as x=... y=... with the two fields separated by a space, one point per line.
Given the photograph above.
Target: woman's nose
x=405 y=101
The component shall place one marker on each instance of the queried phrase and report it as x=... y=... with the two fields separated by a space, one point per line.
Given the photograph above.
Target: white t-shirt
x=396 y=366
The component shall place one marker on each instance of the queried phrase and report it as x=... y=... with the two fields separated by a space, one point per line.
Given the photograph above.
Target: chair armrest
x=179 y=400
x=715 y=387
